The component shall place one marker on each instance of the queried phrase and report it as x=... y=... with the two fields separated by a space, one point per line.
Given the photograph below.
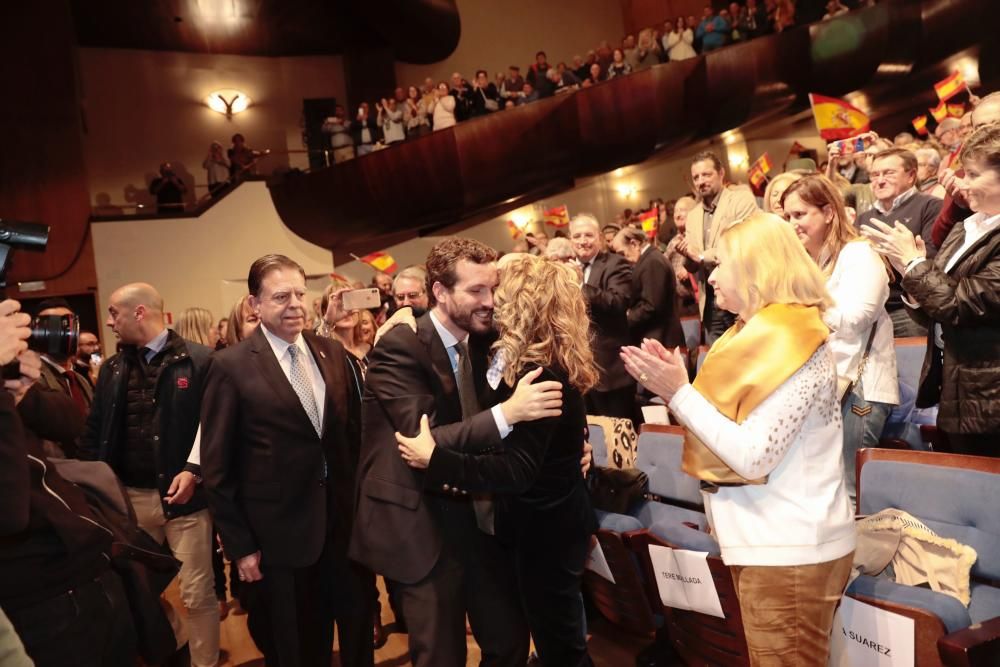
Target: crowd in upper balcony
x=416 y=110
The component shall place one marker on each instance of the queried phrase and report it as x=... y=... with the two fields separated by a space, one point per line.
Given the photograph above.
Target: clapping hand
x=896 y=243
x=659 y=370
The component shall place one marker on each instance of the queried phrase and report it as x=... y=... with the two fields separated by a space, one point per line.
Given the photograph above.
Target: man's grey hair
x=585 y=219
x=932 y=156
x=411 y=273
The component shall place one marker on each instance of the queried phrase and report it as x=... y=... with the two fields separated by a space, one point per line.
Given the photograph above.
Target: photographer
x=55 y=582
x=169 y=190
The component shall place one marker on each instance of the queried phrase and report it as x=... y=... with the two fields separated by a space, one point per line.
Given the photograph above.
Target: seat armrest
x=973 y=646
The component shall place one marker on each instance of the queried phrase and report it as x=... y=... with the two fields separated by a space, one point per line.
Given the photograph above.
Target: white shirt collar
x=897 y=202
x=280 y=346
x=447 y=338
x=978 y=225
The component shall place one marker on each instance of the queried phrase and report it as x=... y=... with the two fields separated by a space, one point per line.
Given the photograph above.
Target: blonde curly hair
x=542 y=320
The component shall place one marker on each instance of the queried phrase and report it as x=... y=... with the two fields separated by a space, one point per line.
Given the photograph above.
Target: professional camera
x=56 y=335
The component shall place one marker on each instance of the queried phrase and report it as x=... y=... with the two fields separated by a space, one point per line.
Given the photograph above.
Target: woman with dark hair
x=443 y=107
x=545 y=510
x=958 y=295
x=618 y=66
x=678 y=44
x=861 y=331
x=415 y=114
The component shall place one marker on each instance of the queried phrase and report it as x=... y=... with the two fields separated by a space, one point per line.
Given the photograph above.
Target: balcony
x=485 y=166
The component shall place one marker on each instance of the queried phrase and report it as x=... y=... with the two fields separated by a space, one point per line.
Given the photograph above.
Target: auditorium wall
x=141 y=108
x=496 y=35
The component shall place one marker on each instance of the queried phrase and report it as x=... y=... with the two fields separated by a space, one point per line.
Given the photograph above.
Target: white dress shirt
x=449 y=341
x=280 y=348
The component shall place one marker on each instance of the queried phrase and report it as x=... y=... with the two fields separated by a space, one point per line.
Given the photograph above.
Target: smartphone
x=362 y=299
x=851 y=146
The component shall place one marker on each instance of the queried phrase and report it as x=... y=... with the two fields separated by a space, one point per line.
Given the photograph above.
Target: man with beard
x=719 y=207
x=437 y=544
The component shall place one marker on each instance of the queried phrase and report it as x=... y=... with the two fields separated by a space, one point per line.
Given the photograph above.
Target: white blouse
x=859 y=286
x=802 y=515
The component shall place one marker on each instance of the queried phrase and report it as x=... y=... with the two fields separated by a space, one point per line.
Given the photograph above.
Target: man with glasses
x=894 y=185
x=410 y=289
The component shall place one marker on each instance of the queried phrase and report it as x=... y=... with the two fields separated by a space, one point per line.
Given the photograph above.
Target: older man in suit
x=278 y=427
x=719 y=207
x=653 y=311
x=607 y=287
x=436 y=544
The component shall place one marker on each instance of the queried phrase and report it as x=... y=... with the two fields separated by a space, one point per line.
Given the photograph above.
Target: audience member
x=607 y=287
x=409 y=289
x=928 y=163
x=365 y=332
x=88 y=356
x=217 y=169
x=653 y=308
x=169 y=190
x=775 y=189
x=894 y=175
x=784 y=15
x=678 y=43
x=242 y=159
x=344 y=329
x=861 y=337
x=443 y=109
x=761 y=430
x=364 y=131
x=956 y=294
x=712 y=30
x=390 y=119
x=383 y=281
x=754 y=21
x=485 y=96
x=618 y=66
x=221 y=329
x=416 y=116
x=560 y=250
x=686 y=285
x=719 y=207
x=197 y=325
x=537 y=70
x=339 y=129
x=143 y=423
x=461 y=90
x=243 y=321
x=834 y=8
x=284 y=512
x=543 y=508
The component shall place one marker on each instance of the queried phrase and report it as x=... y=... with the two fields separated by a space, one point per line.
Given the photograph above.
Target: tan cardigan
x=735 y=204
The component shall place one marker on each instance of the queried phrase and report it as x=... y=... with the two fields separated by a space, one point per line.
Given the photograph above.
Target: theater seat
x=956 y=496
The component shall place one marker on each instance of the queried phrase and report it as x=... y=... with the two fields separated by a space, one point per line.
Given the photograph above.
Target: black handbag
x=616 y=490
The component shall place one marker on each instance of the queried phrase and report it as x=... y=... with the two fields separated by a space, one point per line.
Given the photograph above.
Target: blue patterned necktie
x=303 y=387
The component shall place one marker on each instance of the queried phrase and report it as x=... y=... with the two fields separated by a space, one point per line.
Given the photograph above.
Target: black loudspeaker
x=314 y=112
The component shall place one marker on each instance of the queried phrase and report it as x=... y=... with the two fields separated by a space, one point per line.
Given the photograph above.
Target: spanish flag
x=759 y=170
x=948 y=88
x=836 y=119
x=649 y=221
x=557 y=217
x=920 y=124
x=515 y=231
x=956 y=110
x=380 y=261
x=940 y=112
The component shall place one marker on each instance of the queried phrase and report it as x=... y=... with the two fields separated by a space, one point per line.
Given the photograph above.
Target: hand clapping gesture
x=896 y=243
x=656 y=368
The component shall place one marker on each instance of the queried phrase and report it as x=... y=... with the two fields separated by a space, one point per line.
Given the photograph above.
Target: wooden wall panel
x=41 y=156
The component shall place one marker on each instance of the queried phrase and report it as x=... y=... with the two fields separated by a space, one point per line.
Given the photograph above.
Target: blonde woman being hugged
x=545 y=513
x=861 y=331
x=764 y=434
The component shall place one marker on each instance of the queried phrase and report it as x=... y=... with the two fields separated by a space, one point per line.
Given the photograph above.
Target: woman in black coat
x=542 y=507
x=958 y=293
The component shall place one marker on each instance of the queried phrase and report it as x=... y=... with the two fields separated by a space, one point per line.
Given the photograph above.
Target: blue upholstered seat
x=599 y=443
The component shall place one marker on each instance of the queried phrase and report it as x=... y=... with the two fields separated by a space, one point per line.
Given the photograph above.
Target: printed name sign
x=684 y=580
x=598 y=563
x=866 y=636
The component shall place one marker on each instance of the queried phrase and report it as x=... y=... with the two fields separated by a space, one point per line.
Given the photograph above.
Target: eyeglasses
x=409 y=296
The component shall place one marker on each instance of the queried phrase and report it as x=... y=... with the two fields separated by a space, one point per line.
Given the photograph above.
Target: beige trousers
x=788 y=611
x=190 y=540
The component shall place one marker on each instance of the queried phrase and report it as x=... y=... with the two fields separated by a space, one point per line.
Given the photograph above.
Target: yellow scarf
x=743 y=368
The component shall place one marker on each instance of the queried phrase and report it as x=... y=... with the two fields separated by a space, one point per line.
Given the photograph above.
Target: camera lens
x=55 y=335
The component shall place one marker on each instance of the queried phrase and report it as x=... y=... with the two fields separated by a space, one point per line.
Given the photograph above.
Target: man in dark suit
x=278 y=427
x=653 y=311
x=433 y=543
x=607 y=287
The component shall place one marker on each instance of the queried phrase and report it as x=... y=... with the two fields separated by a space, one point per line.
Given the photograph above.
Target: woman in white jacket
x=443 y=112
x=763 y=432
x=677 y=43
x=858 y=281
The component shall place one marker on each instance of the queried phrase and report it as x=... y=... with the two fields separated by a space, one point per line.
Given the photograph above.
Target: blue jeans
x=863 y=424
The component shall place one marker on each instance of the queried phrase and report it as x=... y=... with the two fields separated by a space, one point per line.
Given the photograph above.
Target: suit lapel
x=440 y=360
x=275 y=378
x=597 y=269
